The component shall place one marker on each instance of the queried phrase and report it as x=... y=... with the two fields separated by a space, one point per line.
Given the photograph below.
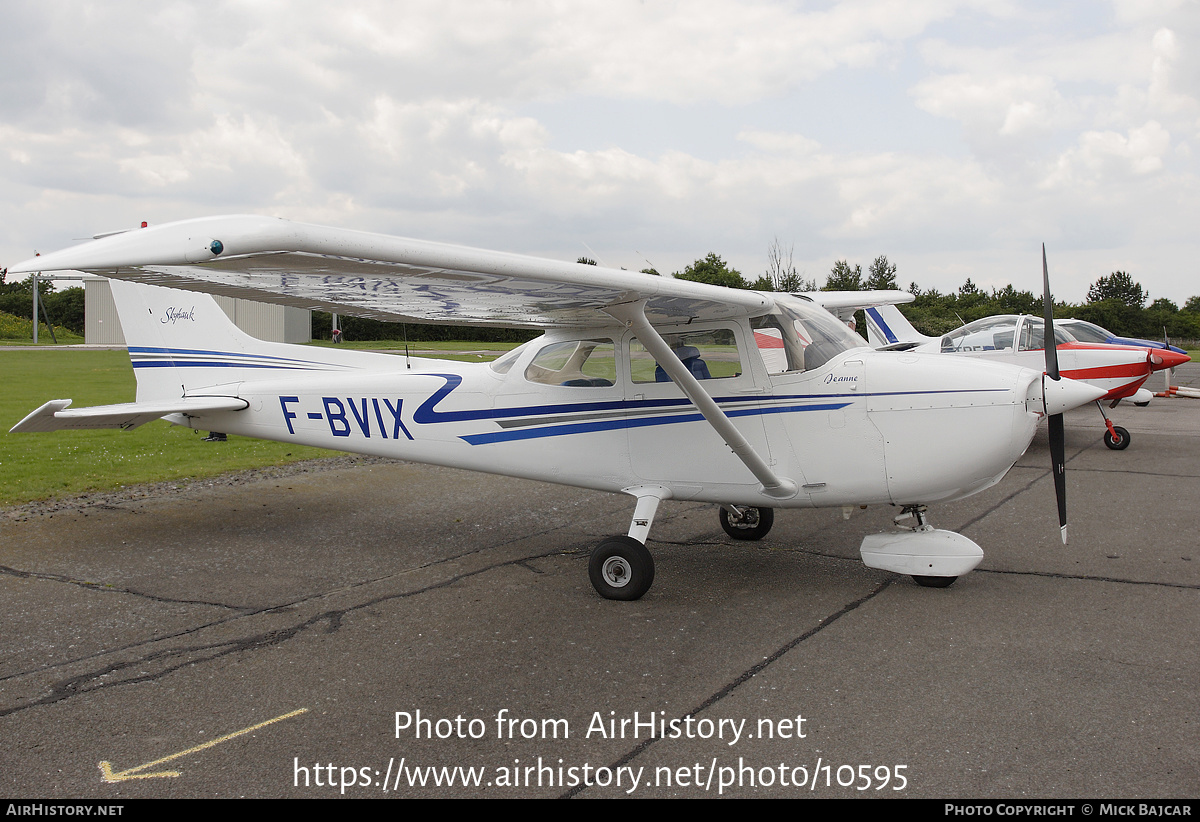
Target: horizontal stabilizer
x=54 y=416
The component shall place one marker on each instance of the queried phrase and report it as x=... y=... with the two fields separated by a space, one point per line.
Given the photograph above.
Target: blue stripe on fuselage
x=609 y=425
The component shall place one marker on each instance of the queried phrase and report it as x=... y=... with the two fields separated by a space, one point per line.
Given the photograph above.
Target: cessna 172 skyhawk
x=649 y=386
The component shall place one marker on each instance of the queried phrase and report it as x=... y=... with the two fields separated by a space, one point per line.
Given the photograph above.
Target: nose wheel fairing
x=922 y=553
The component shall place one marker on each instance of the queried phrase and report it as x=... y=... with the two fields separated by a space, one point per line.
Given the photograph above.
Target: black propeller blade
x=1058 y=445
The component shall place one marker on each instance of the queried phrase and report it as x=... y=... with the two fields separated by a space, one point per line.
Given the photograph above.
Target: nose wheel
x=1117 y=439
x=934 y=582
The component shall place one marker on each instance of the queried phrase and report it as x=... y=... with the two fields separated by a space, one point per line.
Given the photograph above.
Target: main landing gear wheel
x=1118 y=443
x=755 y=523
x=621 y=568
x=934 y=582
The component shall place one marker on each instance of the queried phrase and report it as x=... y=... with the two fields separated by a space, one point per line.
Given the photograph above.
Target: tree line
x=1115 y=301
x=64 y=308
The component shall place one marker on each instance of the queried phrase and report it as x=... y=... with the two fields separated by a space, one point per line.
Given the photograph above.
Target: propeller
x=1058 y=445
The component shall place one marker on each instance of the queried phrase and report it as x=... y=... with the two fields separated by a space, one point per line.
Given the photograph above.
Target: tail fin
x=887 y=326
x=180 y=341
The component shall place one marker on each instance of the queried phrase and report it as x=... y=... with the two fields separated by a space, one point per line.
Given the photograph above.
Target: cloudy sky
x=953 y=136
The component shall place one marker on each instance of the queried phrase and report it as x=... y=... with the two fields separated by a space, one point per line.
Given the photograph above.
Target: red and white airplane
x=1019 y=339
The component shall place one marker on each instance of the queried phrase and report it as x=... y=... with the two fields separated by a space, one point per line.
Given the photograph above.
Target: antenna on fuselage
x=653 y=267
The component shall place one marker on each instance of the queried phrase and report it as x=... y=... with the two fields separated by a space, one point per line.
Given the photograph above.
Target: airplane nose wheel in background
x=1116 y=437
x=741 y=522
x=1120 y=441
x=621 y=568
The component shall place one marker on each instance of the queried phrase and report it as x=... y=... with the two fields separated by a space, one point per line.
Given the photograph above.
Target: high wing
x=388 y=278
x=843 y=304
x=836 y=301
x=392 y=278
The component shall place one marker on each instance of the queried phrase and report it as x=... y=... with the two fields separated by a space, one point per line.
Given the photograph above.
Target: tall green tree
x=881 y=276
x=1010 y=301
x=844 y=278
x=1117 y=286
x=714 y=271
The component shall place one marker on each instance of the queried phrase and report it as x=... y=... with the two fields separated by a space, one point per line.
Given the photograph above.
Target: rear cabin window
x=504 y=362
x=575 y=363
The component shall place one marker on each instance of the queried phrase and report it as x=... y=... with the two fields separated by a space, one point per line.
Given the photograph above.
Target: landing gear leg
x=621 y=567
x=918 y=511
x=1116 y=437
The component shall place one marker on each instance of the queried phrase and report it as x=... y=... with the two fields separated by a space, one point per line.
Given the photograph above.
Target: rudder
x=181 y=340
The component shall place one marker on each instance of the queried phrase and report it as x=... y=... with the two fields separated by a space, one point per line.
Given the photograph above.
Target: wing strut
x=634 y=316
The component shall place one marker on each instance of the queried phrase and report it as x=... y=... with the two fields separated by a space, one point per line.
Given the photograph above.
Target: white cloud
x=1101 y=155
x=414 y=118
x=1012 y=104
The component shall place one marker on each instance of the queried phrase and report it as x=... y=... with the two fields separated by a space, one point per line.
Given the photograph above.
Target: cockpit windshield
x=999 y=334
x=1087 y=332
x=988 y=334
x=801 y=336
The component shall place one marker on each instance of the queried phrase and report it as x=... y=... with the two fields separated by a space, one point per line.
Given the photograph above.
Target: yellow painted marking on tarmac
x=133 y=773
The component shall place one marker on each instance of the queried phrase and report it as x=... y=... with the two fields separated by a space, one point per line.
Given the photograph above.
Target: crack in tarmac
x=743 y=678
x=247 y=611
x=1045 y=472
x=1090 y=578
x=73 y=686
x=78 y=685
x=112 y=589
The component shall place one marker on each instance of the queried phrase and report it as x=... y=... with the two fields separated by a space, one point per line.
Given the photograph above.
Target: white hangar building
x=275 y=323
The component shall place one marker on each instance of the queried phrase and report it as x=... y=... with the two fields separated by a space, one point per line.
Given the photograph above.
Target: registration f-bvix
x=648 y=386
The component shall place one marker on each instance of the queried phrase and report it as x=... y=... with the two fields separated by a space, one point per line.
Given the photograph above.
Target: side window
x=575 y=363
x=708 y=355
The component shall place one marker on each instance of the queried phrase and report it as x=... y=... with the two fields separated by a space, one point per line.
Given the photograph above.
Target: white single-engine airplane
x=650 y=386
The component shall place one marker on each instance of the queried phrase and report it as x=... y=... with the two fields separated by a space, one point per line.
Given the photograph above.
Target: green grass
x=20 y=329
x=398 y=345
x=63 y=463
x=461 y=351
